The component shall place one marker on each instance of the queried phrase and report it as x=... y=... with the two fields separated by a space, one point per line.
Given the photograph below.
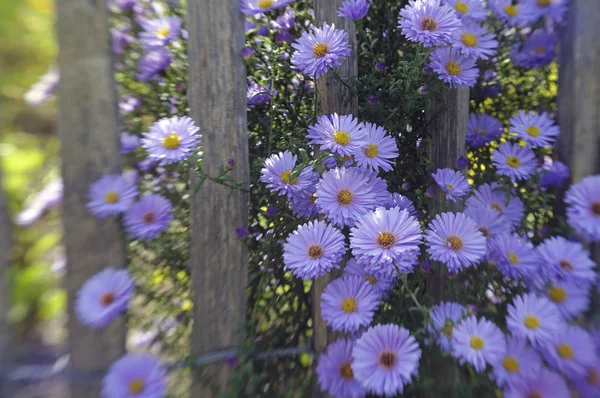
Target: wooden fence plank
x=217 y=95
x=88 y=130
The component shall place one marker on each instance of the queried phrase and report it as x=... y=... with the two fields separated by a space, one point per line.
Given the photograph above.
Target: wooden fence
x=89 y=128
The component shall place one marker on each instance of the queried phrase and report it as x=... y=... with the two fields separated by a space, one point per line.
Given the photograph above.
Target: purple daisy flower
x=354 y=9
x=468 y=10
x=334 y=371
x=537 y=51
x=160 y=32
x=382 y=283
x=554 y=173
x=454 y=68
x=514 y=161
x=103 y=297
x=444 y=317
x=383 y=237
x=313 y=250
x=49 y=197
x=172 y=140
x=345 y=194
x=322 y=49
x=110 y=194
x=278 y=172
x=572 y=298
x=514 y=256
x=554 y=9
x=428 y=22
x=494 y=196
x=149 y=217
x=490 y=222
x=135 y=376
x=129 y=142
x=128 y=103
x=341 y=135
x=533 y=318
x=303 y=203
x=589 y=386
x=536 y=129
x=478 y=342
x=513 y=14
x=401 y=202
x=121 y=38
x=43 y=89
x=385 y=358
x=583 y=212
x=348 y=303
x=518 y=362
x=379 y=149
x=253 y=7
x=259 y=95
x=571 y=351
x=454 y=240
x=153 y=62
x=452 y=182
x=482 y=130
x=545 y=384
x=562 y=258
x=474 y=41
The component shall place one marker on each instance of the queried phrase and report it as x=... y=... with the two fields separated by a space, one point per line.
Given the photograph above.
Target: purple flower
x=536 y=129
x=303 y=203
x=334 y=371
x=354 y=9
x=380 y=67
x=259 y=95
x=128 y=103
x=478 y=342
x=149 y=217
x=43 y=89
x=489 y=222
x=247 y=52
x=313 y=250
x=583 y=211
x=373 y=99
x=342 y=135
x=379 y=149
x=533 y=318
x=278 y=171
x=494 y=196
x=454 y=240
x=121 y=38
x=554 y=174
x=454 y=68
x=284 y=22
x=172 y=140
x=140 y=376
x=104 y=297
x=120 y=5
x=348 y=303
x=562 y=258
x=543 y=384
x=382 y=283
x=241 y=232
x=153 y=62
x=452 y=182
x=517 y=363
x=514 y=256
x=554 y=9
x=401 y=202
x=462 y=163
x=110 y=195
x=514 y=14
x=271 y=211
x=483 y=129
x=589 y=386
x=474 y=41
x=514 y=161
x=385 y=359
x=571 y=297
x=572 y=351
x=49 y=197
x=322 y=49
x=428 y=22
x=444 y=317
x=468 y=10
x=253 y=7
x=537 y=51
x=129 y=142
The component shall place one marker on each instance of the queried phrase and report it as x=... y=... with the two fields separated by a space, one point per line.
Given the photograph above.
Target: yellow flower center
x=341 y=138
x=469 y=40
x=454 y=242
x=171 y=142
x=161 y=33
x=429 y=23
x=477 y=343
x=565 y=351
x=448 y=328
x=453 y=68
x=513 y=162
x=544 y=3
x=315 y=251
x=264 y=3
x=511 y=365
x=107 y=299
x=513 y=258
x=349 y=305
x=320 y=49
x=371 y=279
x=345 y=197
x=136 y=386
x=461 y=7
x=386 y=239
x=511 y=10
x=450 y=187
x=112 y=197
x=346 y=371
x=285 y=178
x=596 y=208
x=387 y=359
x=371 y=151
x=540 y=50
x=592 y=377
x=533 y=131
x=557 y=294
x=531 y=322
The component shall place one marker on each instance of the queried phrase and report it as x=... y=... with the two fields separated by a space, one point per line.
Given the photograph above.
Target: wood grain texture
x=6 y=340
x=217 y=95
x=89 y=134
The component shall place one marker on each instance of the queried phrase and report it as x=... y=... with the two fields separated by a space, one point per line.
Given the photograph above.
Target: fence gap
x=217 y=97
x=89 y=133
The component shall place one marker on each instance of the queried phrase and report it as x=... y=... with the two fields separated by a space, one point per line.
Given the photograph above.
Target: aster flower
x=444 y=317
x=468 y=10
x=341 y=135
x=554 y=9
x=43 y=89
x=383 y=237
x=562 y=258
x=572 y=298
x=135 y=376
x=129 y=142
x=348 y=303
x=103 y=297
x=478 y=342
x=172 y=140
x=334 y=371
x=159 y=32
x=382 y=283
x=536 y=129
x=589 y=386
x=454 y=240
x=494 y=196
x=324 y=48
x=452 y=182
x=379 y=149
x=513 y=14
x=303 y=203
x=253 y=7
x=489 y=221
x=149 y=217
x=385 y=359
x=583 y=211
x=49 y=197
x=428 y=22
x=518 y=362
x=454 y=68
x=354 y=9
x=128 y=103
x=474 y=41
x=533 y=318
x=514 y=161
x=345 y=194
x=401 y=202
x=153 y=62
x=482 y=130
x=545 y=384
x=110 y=194
x=571 y=351
x=259 y=95
x=537 y=51
x=277 y=174
x=553 y=173
x=514 y=256
x=313 y=250
x=121 y=38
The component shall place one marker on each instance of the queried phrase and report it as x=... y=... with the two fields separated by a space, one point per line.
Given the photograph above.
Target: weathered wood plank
x=88 y=130
x=5 y=248
x=217 y=95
